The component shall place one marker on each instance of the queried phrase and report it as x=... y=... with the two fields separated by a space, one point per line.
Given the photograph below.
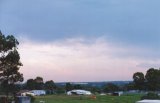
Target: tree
x=30 y=84
x=110 y=87
x=95 y=89
x=68 y=87
x=77 y=86
x=39 y=80
x=36 y=83
x=153 y=79
x=39 y=83
x=9 y=62
x=50 y=86
x=139 y=80
x=130 y=86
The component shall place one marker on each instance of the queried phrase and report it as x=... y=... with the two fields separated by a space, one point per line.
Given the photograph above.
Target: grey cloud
x=148 y=65
x=133 y=22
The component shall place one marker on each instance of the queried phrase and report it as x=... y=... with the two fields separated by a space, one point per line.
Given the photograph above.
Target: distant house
x=79 y=92
x=39 y=92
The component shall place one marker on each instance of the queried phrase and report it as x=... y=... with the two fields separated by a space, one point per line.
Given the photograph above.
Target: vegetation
x=9 y=63
x=38 y=84
x=149 y=82
x=110 y=87
x=50 y=86
x=88 y=99
x=151 y=95
x=68 y=87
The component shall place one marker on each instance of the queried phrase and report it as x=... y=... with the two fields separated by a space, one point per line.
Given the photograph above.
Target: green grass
x=87 y=99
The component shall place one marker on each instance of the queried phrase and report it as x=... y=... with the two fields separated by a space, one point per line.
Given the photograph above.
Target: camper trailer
x=148 y=101
x=79 y=92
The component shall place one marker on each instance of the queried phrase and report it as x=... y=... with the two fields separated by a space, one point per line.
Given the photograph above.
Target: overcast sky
x=84 y=40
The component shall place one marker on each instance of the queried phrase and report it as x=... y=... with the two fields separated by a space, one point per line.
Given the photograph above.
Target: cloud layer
x=80 y=59
x=84 y=40
x=131 y=22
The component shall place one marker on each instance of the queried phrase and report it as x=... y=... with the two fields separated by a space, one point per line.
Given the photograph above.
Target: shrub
x=151 y=95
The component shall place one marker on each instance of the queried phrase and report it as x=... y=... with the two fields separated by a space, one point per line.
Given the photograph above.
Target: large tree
x=139 y=80
x=36 y=83
x=153 y=79
x=9 y=62
x=39 y=80
x=39 y=83
x=30 y=84
x=50 y=86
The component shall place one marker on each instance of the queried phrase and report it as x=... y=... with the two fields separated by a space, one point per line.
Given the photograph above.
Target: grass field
x=88 y=99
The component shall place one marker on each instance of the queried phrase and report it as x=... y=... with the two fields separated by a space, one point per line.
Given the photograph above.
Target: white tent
x=79 y=92
x=148 y=101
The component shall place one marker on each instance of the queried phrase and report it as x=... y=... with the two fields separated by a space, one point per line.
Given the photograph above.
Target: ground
x=88 y=99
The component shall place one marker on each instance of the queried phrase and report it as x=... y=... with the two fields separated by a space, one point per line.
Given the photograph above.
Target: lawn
x=88 y=99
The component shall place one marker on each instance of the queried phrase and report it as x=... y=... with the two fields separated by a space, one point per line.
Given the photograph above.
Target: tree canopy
x=9 y=62
x=149 y=81
x=139 y=80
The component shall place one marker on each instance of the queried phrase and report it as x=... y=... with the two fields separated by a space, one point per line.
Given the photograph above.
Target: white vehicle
x=79 y=92
x=148 y=101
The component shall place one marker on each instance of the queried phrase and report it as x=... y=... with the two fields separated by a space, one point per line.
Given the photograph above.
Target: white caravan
x=79 y=92
x=148 y=101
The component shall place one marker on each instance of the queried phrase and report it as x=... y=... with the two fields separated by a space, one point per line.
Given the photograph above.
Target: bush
x=151 y=95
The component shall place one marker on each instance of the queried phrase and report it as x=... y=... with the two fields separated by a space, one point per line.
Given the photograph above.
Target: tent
x=148 y=101
x=79 y=92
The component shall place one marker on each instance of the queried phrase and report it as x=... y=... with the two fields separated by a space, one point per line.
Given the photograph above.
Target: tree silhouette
x=9 y=62
x=139 y=80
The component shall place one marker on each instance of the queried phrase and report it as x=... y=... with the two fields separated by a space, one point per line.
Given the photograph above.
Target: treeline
x=149 y=81
x=52 y=88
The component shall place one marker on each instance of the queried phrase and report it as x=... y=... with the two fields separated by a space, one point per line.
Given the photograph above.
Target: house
x=39 y=92
x=79 y=92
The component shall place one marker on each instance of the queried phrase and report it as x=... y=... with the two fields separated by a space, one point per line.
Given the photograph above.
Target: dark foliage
x=151 y=95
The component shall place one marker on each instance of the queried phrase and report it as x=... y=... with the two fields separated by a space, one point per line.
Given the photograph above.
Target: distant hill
x=95 y=84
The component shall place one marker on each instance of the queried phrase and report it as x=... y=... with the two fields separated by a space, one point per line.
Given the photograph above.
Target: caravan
x=79 y=92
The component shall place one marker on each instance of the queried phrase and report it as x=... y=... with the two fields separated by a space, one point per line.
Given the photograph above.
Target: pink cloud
x=75 y=60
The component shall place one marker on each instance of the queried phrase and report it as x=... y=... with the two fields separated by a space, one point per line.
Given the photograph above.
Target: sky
x=84 y=40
